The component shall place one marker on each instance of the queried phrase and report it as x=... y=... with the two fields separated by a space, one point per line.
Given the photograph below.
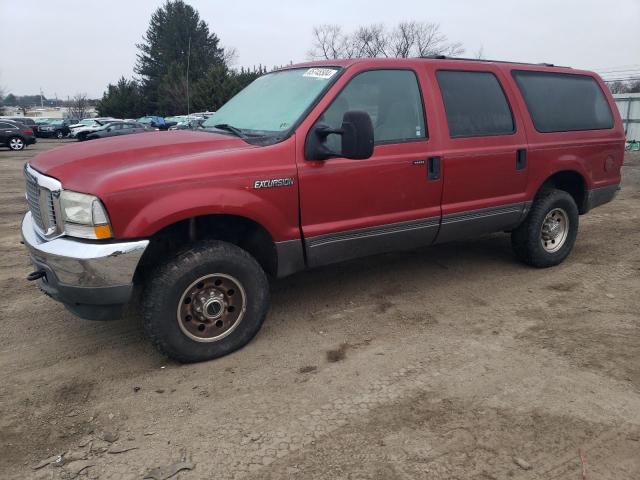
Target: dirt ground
x=453 y=362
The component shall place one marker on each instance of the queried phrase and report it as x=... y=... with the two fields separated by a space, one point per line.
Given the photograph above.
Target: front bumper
x=93 y=280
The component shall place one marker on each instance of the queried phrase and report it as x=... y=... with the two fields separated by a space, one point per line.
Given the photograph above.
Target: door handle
x=521 y=159
x=433 y=168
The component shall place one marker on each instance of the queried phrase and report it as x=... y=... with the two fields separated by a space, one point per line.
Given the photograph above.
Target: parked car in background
x=91 y=122
x=28 y=121
x=156 y=122
x=115 y=129
x=54 y=128
x=15 y=135
x=186 y=122
x=87 y=126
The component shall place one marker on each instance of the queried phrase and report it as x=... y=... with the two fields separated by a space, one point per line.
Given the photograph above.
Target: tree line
x=619 y=86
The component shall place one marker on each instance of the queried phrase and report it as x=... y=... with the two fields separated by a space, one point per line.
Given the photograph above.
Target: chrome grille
x=42 y=197
x=33 y=199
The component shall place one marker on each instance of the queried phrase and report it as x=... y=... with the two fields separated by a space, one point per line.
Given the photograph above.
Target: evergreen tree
x=122 y=100
x=175 y=30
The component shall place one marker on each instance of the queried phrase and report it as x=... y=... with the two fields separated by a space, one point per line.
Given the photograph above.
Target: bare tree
x=479 y=54
x=370 y=41
x=230 y=56
x=407 y=39
x=329 y=43
x=431 y=41
x=617 y=87
x=79 y=106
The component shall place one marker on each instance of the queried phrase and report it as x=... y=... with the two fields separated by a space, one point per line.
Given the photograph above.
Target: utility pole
x=41 y=102
x=188 y=65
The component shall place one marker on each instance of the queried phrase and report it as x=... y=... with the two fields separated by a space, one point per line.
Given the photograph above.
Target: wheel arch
x=235 y=229
x=570 y=181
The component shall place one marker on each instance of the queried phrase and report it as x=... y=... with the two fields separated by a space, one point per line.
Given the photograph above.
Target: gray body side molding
x=339 y=246
x=473 y=223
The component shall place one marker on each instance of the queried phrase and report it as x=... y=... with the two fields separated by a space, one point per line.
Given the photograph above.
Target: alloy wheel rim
x=211 y=307
x=554 y=230
x=16 y=144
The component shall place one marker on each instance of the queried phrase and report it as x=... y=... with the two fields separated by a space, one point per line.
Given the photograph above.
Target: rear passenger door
x=484 y=154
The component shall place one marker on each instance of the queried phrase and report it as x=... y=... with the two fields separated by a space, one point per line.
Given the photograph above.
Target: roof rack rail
x=445 y=57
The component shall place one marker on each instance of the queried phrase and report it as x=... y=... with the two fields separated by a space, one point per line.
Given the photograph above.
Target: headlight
x=84 y=216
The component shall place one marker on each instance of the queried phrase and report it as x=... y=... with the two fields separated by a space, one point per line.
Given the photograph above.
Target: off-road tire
x=526 y=239
x=169 y=281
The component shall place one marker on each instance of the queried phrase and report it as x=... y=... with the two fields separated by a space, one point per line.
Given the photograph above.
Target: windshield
x=274 y=102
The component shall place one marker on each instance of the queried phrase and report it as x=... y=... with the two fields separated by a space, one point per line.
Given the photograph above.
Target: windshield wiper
x=230 y=128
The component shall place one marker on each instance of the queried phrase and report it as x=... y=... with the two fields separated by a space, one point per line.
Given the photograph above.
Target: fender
x=171 y=206
x=564 y=163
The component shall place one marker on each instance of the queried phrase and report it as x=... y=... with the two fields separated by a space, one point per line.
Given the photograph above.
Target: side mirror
x=357 y=138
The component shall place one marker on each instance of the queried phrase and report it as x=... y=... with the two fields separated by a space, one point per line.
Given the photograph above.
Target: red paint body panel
x=149 y=181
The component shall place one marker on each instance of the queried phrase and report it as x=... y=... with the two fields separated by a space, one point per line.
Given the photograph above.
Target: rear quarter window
x=561 y=102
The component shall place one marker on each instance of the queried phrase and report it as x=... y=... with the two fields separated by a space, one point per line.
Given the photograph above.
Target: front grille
x=42 y=203
x=33 y=199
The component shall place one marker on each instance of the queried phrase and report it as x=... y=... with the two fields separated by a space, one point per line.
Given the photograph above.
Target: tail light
x=28 y=131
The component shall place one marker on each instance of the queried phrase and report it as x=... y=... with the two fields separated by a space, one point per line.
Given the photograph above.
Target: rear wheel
x=59 y=134
x=549 y=232
x=206 y=302
x=16 y=143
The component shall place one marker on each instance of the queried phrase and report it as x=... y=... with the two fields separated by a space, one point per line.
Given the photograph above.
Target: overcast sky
x=72 y=46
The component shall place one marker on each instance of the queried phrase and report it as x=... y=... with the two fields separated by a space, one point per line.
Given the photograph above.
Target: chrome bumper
x=91 y=279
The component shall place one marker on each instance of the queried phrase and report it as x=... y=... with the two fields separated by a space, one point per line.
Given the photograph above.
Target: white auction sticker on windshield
x=324 y=73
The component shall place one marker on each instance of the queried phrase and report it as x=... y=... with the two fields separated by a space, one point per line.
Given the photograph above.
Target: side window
x=561 y=102
x=7 y=125
x=390 y=97
x=475 y=104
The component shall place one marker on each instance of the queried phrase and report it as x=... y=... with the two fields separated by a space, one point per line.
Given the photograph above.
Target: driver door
x=352 y=208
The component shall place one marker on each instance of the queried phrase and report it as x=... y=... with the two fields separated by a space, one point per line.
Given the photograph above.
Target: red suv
x=310 y=165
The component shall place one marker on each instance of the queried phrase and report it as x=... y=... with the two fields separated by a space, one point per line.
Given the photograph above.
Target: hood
x=87 y=166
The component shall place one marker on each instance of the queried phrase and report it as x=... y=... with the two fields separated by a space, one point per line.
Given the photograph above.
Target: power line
x=606 y=69
x=628 y=79
x=622 y=76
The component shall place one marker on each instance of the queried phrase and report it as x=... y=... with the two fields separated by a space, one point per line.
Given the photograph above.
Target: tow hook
x=36 y=275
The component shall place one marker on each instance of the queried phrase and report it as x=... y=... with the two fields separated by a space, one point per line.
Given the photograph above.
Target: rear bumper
x=600 y=196
x=93 y=280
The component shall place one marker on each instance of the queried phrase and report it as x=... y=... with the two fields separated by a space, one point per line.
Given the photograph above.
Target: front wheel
x=548 y=234
x=59 y=134
x=206 y=302
x=16 y=143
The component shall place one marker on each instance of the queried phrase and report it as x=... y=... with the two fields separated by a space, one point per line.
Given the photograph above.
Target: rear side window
x=560 y=102
x=475 y=104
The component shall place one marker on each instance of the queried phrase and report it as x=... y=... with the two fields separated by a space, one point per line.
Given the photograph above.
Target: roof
x=453 y=62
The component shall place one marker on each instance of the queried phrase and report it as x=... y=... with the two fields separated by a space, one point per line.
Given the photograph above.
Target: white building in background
x=629 y=107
